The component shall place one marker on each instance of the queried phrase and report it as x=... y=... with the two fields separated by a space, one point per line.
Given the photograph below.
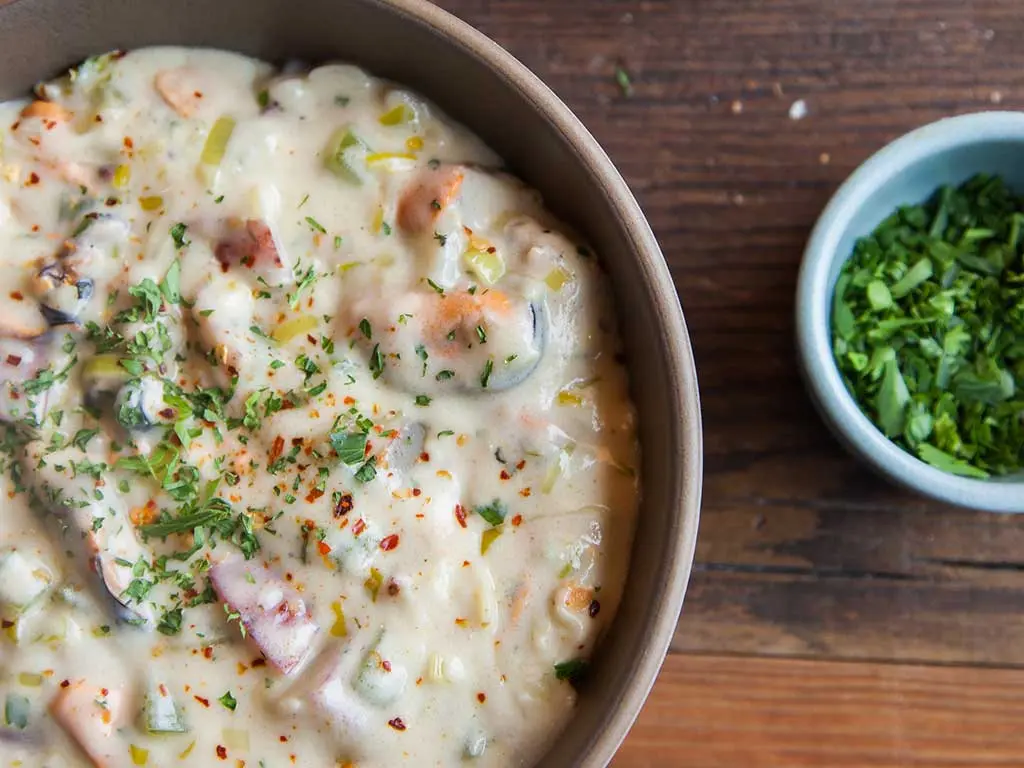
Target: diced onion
x=557 y=278
x=338 y=629
x=489 y=536
x=30 y=679
x=236 y=738
x=487 y=266
x=397 y=115
x=289 y=329
x=122 y=175
x=568 y=397
x=217 y=141
x=435 y=668
x=140 y=756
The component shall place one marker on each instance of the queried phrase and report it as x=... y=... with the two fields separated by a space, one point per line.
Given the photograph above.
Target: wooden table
x=832 y=620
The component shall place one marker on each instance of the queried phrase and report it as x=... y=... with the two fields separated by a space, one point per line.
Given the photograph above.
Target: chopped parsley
x=178 y=235
x=229 y=701
x=494 y=513
x=485 y=376
x=315 y=225
x=422 y=400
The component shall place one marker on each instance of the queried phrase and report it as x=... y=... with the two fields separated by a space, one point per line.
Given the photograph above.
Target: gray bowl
x=478 y=83
x=906 y=171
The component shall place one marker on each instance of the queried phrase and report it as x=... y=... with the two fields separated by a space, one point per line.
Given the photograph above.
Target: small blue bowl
x=906 y=171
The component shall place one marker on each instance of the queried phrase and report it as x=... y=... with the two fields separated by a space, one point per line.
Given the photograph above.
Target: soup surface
x=316 y=447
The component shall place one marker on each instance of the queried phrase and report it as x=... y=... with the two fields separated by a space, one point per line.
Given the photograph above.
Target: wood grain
x=802 y=551
x=734 y=712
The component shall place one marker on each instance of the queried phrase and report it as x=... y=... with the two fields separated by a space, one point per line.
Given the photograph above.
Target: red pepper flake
x=313 y=495
x=358 y=527
x=389 y=542
x=349 y=400
x=283 y=739
x=208 y=652
x=33 y=179
x=65 y=683
x=424 y=456
x=386 y=665
x=393 y=588
x=323 y=548
x=222 y=752
x=520 y=465
x=517 y=520
x=128 y=143
x=277 y=449
x=525 y=492
x=481 y=697
x=17 y=295
x=505 y=475
x=260 y=662
x=13 y=360
x=311 y=339
x=397 y=724
x=594 y=609
x=416 y=491
x=460 y=515
x=344 y=505
x=201 y=700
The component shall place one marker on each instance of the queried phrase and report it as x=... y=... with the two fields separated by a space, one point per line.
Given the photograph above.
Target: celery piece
x=217 y=141
x=345 y=156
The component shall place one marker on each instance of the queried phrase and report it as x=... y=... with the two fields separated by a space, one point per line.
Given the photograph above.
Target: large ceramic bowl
x=481 y=85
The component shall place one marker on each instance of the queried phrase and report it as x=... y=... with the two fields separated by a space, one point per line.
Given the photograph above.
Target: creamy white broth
x=317 y=448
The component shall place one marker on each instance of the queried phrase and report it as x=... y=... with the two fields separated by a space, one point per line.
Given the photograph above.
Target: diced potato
x=24 y=578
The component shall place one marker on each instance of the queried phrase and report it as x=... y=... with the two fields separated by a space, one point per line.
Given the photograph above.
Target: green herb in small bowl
x=928 y=328
x=910 y=311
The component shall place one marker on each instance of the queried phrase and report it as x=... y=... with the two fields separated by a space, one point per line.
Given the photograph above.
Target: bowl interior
x=906 y=172
x=480 y=85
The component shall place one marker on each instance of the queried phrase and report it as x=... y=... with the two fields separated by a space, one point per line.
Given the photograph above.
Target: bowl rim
x=814 y=298
x=678 y=355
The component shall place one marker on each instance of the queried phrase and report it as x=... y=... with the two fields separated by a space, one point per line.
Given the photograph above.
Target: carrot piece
x=426 y=196
x=47 y=110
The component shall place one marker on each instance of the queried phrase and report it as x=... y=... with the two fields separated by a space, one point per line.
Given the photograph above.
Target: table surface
x=832 y=619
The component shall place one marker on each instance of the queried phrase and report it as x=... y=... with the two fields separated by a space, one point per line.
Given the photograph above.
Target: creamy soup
x=317 y=447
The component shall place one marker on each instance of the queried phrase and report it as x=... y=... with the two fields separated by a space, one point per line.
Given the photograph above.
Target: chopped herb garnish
x=444 y=375
x=385 y=228
x=494 y=513
x=624 y=81
x=441 y=239
x=481 y=334
x=82 y=438
x=170 y=622
x=445 y=433
x=422 y=400
x=437 y=288
x=367 y=330
x=485 y=376
x=315 y=225
x=928 y=328
x=376 y=362
x=572 y=672
x=178 y=235
x=228 y=701
x=368 y=471
x=263 y=98
x=303 y=201
x=337 y=242
x=350 y=446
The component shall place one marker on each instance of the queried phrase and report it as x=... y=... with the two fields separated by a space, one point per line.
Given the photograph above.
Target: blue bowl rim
x=814 y=300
